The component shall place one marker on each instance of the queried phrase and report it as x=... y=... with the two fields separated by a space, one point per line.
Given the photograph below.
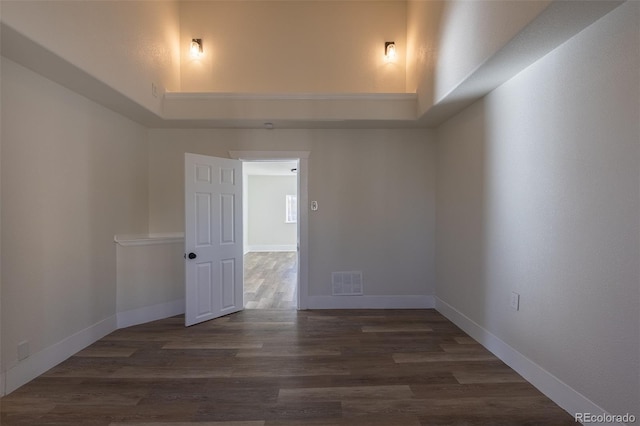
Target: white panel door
x=212 y=237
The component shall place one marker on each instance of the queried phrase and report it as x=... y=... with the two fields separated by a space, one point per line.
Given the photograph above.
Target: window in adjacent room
x=291 y=209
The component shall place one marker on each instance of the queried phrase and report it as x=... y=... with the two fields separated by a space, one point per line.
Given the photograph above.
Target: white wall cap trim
x=149 y=239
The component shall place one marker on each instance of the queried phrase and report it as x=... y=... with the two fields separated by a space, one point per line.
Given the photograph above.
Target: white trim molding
x=327 y=108
x=270 y=247
x=3 y=390
x=269 y=155
x=559 y=392
x=303 y=202
x=371 y=302
x=292 y=96
x=150 y=313
x=149 y=239
x=38 y=363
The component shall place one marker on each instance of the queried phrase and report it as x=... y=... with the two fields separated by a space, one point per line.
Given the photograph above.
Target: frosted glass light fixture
x=390 y=51
x=196 y=48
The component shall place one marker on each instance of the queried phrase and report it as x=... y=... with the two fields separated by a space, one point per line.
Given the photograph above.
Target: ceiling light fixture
x=390 y=51
x=196 y=48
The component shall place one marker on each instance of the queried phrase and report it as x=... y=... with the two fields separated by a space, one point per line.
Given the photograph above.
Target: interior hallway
x=270 y=280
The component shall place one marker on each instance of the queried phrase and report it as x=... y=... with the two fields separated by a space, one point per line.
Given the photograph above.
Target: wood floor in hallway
x=270 y=280
x=282 y=368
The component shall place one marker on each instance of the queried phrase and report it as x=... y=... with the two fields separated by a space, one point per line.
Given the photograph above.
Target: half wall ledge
x=149 y=239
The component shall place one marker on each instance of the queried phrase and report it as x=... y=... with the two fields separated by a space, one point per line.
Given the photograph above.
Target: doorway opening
x=270 y=234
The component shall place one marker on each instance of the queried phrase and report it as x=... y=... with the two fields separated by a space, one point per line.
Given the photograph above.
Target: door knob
x=192 y=255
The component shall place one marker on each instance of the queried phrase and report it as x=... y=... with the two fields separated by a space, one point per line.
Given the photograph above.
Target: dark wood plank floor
x=282 y=367
x=270 y=280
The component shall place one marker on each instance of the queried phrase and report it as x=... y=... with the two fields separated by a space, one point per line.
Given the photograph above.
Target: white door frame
x=303 y=213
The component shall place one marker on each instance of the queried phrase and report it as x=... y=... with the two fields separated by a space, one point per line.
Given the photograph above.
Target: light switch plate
x=515 y=301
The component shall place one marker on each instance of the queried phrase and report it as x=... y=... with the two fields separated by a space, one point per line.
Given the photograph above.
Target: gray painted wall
x=266 y=209
x=538 y=193
x=74 y=174
x=375 y=190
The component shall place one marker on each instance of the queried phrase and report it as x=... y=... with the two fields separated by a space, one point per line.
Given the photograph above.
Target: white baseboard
x=370 y=302
x=38 y=363
x=559 y=392
x=150 y=313
x=271 y=247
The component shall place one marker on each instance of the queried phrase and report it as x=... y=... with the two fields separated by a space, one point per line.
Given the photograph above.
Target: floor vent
x=346 y=283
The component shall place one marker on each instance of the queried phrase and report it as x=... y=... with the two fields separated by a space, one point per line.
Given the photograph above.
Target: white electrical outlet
x=515 y=301
x=314 y=205
x=23 y=350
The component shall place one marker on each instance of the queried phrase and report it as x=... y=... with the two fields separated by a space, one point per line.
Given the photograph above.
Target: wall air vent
x=347 y=283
